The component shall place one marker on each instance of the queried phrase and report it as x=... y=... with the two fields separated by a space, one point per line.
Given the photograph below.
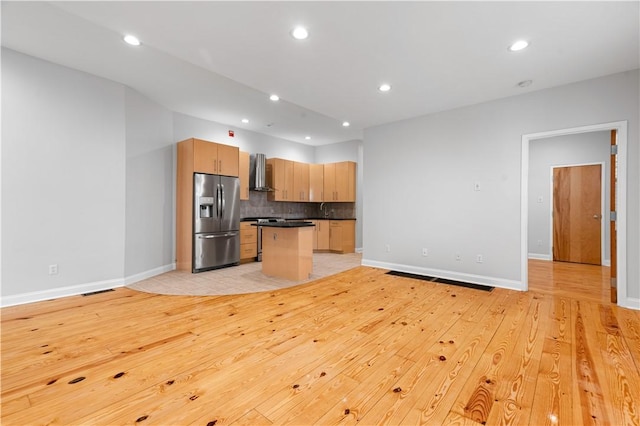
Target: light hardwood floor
x=359 y=347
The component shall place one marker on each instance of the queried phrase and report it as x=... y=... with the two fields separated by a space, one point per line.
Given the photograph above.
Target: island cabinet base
x=287 y=252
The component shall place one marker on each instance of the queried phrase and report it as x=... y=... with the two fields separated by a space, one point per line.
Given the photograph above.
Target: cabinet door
x=243 y=172
x=300 y=182
x=342 y=179
x=280 y=177
x=316 y=182
x=329 y=182
x=335 y=237
x=205 y=156
x=322 y=230
x=228 y=160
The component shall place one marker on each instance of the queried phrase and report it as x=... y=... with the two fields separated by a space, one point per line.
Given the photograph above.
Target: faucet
x=325 y=213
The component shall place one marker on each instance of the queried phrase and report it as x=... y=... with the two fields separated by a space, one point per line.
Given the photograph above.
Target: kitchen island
x=287 y=249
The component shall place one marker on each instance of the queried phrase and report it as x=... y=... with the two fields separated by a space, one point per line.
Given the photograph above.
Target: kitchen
x=219 y=224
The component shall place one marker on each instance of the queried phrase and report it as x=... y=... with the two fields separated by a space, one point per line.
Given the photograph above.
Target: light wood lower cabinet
x=342 y=236
x=338 y=236
x=248 y=241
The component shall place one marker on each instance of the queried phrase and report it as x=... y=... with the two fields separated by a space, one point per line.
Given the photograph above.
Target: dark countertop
x=289 y=224
x=252 y=219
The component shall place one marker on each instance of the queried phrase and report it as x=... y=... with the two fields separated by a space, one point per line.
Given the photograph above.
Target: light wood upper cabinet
x=279 y=174
x=300 y=181
x=244 y=175
x=228 y=160
x=340 y=181
x=213 y=158
x=316 y=182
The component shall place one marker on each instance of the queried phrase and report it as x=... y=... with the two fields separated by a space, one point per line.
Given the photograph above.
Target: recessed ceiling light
x=307 y=138
x=525 y=83
x=299 y=33
x=384 y=87
x=132 y=40
x=346 y=124
x=518 y=45
x=274 y=98
x=245 y=120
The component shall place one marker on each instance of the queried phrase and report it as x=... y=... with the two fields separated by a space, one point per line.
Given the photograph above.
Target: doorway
x=619 y=205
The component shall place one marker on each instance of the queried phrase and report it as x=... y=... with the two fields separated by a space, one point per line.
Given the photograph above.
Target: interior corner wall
x=150 y=188
x=63 y=178
x=581 y=148
x=421 y=175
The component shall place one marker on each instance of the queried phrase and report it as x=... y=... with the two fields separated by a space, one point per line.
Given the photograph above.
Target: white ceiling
x=220 y=60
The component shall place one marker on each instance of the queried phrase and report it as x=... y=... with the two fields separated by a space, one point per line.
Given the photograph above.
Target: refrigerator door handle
x=222 y=200
x=218 y=201
x=227 y=234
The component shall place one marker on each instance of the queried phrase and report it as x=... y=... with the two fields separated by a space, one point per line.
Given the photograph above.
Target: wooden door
x=577 y=214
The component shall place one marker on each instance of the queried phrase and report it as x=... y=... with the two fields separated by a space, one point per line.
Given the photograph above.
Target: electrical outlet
x=476 y=186
x=53 y=269
x=479 y=258
x=458 y=257
x=425 y=252
x=387 y=247
x=539 y=243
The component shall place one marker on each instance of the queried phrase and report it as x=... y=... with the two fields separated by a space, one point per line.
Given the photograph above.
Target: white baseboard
x=56 y=293
x=538 y=256
x=450 y=275
x=359 y=250
x=630 y=303
x=148 y=274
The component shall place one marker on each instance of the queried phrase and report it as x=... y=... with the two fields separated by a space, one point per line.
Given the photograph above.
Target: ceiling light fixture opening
x=307 y=138
x=519 y=45
x=525 y=83
x=274 y=98
x=132 y=40
x=346 y=124
x=299 y=33
x=384 y=87
x=245 y=120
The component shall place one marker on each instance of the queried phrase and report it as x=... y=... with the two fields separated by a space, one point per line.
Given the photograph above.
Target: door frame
x=620 y=207
x=602 y=205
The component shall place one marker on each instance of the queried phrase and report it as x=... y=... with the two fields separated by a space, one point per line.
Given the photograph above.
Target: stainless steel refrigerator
x=216 y=221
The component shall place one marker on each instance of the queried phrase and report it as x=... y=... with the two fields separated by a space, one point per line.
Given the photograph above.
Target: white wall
x=150 y=188
x=583 y=148
x=63 y=179
x=420 y=176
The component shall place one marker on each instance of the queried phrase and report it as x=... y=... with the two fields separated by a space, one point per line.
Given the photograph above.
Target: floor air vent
x=91 y=293
x=441 y=280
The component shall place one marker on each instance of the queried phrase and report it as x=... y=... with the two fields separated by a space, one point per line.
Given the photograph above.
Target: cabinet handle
x=275 y=236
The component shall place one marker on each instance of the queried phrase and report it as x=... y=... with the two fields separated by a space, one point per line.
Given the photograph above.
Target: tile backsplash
x=259 y=206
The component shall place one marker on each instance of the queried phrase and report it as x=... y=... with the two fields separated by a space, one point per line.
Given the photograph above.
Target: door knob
x=596 y=216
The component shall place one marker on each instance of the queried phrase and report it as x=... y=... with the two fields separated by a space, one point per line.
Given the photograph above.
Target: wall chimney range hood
x=258 y=173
